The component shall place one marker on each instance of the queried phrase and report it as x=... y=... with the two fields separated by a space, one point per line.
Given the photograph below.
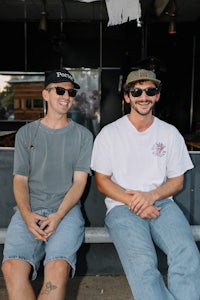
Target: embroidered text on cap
x=66 y=75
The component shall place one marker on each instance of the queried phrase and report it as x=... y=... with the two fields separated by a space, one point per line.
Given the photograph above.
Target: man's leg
x=61 y=249
x=16 y=275
x=56 y=274
x=171 y=232
x=21 y=256
x=132 y=239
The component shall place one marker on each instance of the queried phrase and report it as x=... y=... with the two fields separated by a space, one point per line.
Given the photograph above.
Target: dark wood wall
x=115 y=50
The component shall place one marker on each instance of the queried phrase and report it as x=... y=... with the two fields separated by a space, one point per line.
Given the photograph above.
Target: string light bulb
x=172 y=27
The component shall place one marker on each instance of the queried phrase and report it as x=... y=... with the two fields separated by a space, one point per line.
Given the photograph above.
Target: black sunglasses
x=152 y=91
x=61 y=91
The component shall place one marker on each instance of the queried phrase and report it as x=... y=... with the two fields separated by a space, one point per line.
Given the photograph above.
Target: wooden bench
x=100 y=235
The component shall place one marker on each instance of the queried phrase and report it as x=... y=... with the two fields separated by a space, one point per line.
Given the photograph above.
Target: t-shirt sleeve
x=179 y=160
x=21 y=154
x=83 y=162
x=101 y=155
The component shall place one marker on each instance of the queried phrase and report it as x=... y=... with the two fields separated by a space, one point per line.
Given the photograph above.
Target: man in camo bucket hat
x=139 y=163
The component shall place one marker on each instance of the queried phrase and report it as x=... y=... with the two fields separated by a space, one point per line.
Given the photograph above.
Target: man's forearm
x=169 y=188
x=112 y=190
x=21 y=193
x=73 y=195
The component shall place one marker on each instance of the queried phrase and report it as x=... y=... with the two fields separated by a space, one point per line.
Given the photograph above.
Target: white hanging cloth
x=121 y=11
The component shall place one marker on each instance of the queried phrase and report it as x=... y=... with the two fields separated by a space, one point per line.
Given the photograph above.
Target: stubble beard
x=142 y=113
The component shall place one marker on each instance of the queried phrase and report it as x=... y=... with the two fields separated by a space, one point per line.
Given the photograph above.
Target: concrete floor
x=109 y=287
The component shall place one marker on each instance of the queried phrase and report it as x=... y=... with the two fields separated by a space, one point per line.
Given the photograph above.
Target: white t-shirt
x=139 y=160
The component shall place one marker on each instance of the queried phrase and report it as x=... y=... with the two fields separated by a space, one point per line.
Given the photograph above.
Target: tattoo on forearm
x=49 y=287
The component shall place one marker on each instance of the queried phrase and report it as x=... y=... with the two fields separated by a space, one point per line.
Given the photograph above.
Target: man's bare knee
x=13 y=267
x=60 y=267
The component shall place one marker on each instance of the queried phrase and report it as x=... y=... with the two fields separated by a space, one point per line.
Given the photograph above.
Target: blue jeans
x=134 y=240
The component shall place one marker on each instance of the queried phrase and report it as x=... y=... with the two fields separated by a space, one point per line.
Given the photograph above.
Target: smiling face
x=58 y=103
x=143 y=104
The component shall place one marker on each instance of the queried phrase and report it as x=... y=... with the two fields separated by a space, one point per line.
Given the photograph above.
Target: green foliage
x=7 y=97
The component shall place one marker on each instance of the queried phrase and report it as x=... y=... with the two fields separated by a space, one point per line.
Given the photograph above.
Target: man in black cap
x=51 y=165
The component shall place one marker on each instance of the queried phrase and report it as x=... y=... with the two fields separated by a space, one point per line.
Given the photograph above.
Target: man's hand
x=150 y=212
x=50 y=224
x=34 y=222
x=142 y=204
x=42 y=227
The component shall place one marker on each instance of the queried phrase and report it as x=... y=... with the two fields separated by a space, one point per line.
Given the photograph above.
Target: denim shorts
x=63 y=244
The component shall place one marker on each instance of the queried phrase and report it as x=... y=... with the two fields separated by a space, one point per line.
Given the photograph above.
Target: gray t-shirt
x=49 y=158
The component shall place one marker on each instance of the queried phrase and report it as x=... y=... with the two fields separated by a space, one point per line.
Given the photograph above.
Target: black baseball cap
x=60 y=75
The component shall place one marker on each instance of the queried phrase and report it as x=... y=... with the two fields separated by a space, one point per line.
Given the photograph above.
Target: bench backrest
x=93 y=201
